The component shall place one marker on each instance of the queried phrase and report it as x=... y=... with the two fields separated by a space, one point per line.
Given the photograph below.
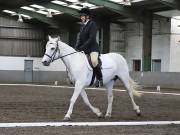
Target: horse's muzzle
x=45 y=63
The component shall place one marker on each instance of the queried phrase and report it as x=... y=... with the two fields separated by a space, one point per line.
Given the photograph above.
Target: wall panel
x=20 y=39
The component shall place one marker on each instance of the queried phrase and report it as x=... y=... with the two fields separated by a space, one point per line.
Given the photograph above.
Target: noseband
x=52 y=57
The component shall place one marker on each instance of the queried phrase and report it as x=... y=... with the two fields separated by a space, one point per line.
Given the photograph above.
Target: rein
x=67 y=55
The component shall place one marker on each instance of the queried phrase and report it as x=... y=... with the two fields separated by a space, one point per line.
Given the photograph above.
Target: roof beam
x=171 y=3
x=122 y=10
x=9 y=4
x=64 y=9
x=38 y=16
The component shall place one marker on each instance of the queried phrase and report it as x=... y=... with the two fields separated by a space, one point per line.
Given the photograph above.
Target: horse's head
x=52 y=51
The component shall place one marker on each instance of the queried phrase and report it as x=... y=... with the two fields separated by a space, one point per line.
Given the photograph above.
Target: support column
x=106 y=37
x=147 y=41
x=73 y=31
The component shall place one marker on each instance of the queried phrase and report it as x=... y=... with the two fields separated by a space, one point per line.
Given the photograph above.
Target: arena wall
x=12 y=71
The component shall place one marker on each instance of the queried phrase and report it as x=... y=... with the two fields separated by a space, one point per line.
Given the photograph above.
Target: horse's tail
x=134 y=86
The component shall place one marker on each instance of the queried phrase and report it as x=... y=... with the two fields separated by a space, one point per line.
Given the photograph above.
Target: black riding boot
x=99 y=79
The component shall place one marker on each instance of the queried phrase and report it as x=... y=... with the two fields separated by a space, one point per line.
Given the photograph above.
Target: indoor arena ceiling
x=50 y=11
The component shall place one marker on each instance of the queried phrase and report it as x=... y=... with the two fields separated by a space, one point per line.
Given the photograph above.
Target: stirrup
x=99 y=83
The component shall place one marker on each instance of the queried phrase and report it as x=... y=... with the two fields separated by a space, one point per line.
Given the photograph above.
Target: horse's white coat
x=81 y=75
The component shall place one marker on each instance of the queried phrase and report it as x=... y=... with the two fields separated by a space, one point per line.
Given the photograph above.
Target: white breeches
x=94 y=58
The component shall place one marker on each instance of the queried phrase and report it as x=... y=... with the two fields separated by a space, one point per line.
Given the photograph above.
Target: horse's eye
x=52 y=48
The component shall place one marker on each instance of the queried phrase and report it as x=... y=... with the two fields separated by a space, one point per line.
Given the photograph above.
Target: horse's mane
x=66 y=46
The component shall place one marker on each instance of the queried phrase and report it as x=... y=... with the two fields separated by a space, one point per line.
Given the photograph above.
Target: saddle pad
x=107 y=62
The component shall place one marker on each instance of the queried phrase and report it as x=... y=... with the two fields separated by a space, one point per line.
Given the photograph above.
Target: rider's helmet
x=85 y=12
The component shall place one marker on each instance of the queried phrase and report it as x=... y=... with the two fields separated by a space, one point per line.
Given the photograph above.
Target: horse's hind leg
x=125 y=80
x=86 y=101
x=109 y=87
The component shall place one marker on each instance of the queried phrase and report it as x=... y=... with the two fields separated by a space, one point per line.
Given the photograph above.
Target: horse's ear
x=50 y=38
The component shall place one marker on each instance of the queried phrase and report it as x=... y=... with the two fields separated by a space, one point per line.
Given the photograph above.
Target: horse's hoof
x=138 y=113
x=100 y=115
x=108 y=116
x=67 y=119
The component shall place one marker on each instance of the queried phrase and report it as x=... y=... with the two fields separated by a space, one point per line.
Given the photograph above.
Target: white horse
x=114 y=67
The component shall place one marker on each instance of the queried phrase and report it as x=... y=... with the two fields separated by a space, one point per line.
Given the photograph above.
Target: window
x=136 y=65
x=156 y=65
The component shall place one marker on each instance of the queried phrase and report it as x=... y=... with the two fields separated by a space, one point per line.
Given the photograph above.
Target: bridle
x=52 y=57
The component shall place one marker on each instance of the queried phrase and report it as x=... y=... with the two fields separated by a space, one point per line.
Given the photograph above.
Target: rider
x=87 y=42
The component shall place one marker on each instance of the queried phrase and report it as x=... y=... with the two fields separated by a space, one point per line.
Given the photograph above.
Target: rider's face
x=83 y=18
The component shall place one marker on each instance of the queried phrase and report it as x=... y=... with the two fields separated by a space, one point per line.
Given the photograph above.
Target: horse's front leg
x=78 y=88
x=86 y=101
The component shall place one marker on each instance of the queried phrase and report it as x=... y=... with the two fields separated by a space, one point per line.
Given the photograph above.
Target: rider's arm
x=92 y=37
